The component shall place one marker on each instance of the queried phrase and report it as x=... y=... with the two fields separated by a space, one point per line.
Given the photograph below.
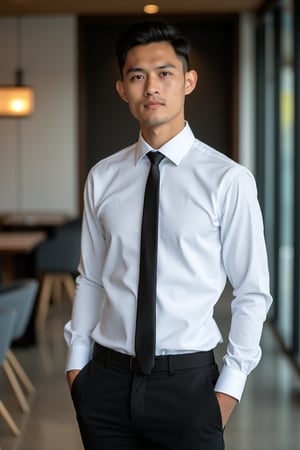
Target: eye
x=165 y=74
x=137 y=77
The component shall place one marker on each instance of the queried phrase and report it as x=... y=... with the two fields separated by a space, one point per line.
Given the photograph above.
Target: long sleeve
x=245 y=261
x=89 y=295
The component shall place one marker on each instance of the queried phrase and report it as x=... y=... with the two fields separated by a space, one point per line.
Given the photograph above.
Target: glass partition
x=286 y=173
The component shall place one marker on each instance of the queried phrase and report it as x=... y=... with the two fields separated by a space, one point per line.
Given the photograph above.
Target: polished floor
x=268 y=417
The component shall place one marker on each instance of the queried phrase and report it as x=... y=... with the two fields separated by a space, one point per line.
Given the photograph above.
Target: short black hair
x=147 y=32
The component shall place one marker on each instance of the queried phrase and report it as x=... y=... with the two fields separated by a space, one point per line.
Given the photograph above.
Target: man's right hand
x=71 y=375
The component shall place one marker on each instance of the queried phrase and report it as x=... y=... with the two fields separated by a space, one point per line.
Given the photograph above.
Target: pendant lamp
x=17 y=100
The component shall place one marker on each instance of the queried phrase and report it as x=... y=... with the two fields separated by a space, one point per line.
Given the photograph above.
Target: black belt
x=162 y=363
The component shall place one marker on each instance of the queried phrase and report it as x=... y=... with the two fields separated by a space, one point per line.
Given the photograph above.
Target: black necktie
x=146 y=309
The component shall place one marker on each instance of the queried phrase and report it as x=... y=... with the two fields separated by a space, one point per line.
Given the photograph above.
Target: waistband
x=162 y=363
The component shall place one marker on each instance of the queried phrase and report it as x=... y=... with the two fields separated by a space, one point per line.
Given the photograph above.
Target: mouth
x=153 y=104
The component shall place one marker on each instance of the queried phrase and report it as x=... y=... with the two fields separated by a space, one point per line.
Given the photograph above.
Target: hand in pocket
x=71 y=375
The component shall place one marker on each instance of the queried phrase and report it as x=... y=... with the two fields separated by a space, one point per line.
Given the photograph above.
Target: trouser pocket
x=78 y=383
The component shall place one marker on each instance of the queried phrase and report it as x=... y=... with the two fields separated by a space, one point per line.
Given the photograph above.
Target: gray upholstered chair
x=21 y=296
x=56 y=262
x=8 y=319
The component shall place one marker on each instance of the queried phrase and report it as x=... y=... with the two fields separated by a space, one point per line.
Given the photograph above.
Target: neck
x=156 y=137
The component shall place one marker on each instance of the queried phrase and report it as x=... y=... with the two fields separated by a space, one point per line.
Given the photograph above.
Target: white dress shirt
x=210 y=228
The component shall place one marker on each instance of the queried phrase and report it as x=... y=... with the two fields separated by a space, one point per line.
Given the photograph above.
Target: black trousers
x=174 y=408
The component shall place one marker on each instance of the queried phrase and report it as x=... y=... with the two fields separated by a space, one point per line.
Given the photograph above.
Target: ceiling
x=120 y=7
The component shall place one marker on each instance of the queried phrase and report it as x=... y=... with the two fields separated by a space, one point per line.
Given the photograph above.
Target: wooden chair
x=8 y=319
x=19 y=295
x=56 y=262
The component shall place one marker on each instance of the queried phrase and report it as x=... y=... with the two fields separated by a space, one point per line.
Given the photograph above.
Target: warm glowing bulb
x=151 y=9
x=18 y=105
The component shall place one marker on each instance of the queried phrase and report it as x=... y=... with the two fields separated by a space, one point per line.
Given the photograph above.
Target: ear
x=120 y=89
x=191 y=78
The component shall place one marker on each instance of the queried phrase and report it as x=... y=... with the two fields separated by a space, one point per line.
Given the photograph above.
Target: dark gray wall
x=108 y=123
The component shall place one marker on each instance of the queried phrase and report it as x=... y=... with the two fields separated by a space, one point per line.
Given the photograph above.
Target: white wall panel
x=45 y=144
x=8 y=169
x=8 y=165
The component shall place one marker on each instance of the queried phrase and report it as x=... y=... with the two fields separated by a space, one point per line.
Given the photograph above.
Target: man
x=209 y=228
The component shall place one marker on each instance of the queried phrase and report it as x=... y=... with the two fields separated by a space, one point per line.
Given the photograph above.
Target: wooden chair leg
x=44 y=301
x=8 y=419
x=52 y=288
x=20 y=372
x=57 y=288
x=15 y=386
x=69 y=284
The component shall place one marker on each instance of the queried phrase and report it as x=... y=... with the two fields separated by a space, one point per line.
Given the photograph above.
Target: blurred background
x=246 y=105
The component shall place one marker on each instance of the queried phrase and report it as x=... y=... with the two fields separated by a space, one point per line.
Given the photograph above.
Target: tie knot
x=155 y=158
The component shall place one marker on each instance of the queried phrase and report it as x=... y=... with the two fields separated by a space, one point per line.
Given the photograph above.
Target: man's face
x=154 y=85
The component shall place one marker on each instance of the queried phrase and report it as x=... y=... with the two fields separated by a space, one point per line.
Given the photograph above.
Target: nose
x=151 y=87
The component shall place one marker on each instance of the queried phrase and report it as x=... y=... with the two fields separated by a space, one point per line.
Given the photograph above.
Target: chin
x=155 y=122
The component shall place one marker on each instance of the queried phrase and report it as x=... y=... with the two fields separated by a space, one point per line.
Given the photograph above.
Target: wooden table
x=15 y=243
x=32 y=220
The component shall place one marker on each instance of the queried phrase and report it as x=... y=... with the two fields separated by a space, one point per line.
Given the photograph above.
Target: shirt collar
x=175 y=149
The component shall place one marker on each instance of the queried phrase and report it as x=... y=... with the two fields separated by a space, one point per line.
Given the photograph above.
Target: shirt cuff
x=78 y=356
x=231 y=382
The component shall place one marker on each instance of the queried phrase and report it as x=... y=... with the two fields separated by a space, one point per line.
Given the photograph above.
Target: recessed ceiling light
x=151 y=9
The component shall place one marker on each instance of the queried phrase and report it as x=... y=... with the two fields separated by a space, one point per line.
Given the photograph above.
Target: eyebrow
x=140 y=69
